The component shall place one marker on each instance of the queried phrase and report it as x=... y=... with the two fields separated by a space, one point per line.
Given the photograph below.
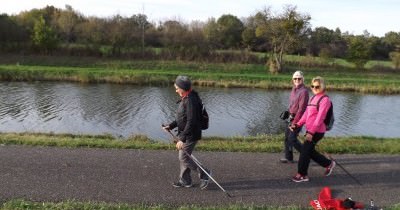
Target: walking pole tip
x=229 y=195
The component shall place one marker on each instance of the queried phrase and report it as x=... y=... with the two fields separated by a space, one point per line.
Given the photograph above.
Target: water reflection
x=124 y=110
x=347 y=112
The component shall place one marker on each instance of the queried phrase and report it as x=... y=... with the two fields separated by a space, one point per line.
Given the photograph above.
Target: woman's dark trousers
x=291 y=142
x=308 y=153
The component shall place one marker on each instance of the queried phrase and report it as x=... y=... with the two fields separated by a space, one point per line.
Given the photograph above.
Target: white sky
x=353 y=16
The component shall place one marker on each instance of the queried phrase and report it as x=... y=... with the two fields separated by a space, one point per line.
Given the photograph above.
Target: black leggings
x=308 y=153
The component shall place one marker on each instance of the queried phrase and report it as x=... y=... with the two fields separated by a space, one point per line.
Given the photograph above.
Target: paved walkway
x=145 y=176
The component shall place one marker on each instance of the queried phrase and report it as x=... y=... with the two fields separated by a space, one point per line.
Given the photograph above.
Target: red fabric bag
x=326 y=202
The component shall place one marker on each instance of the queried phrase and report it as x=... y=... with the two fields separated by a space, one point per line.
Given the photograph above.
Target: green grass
x=92 y=70
x=19 y=204
x=367 y=83
x=261 y=143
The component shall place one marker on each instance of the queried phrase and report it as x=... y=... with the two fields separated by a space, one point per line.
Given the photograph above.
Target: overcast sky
x=354 y=16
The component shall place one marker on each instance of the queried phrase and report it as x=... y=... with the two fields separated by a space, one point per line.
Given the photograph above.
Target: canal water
x=125 y=110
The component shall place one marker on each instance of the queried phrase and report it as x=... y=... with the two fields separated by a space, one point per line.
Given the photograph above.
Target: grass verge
x=202 y=74
x=74 y=205
x=261 y=143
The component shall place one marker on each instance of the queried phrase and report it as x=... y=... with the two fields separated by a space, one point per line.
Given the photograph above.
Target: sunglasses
x=315 y=87
x=297 y=78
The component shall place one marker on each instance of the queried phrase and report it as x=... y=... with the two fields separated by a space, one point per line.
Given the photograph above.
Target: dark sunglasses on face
x=297 y=79
x=315 y=87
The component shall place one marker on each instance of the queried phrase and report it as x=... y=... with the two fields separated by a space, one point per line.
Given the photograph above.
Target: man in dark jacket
x=187 y=120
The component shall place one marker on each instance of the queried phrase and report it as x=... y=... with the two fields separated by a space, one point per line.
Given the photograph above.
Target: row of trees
x=65 y=31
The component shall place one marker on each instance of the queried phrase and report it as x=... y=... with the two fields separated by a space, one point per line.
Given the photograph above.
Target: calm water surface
x=125 y=110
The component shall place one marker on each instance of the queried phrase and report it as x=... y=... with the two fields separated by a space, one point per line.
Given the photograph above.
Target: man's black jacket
x=187 y=118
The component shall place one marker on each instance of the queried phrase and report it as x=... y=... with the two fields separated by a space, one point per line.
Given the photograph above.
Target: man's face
x=179 y=91
x=297 y=81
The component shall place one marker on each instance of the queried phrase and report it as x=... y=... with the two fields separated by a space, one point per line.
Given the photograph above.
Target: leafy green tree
x=135 y=28
x=395 y=57
x=182 y=41
x=284 y=32
x=249 y=38
x=229 y=31
x=196 y=46
x=392 y=40
x=379 y=50
x=172 y=32
x=359 y=50
x=92 y=32
x=320 y=39
x=327 y=43
x=210 y=31
x=12 y=35
x=67 y=22
x=44 y=38
x=123 y=33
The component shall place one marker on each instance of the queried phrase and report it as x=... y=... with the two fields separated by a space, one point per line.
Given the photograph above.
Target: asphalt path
x=145 y=176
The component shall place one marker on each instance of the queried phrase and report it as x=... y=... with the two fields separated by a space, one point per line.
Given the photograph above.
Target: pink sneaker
x=300 y=178
x=329 y=169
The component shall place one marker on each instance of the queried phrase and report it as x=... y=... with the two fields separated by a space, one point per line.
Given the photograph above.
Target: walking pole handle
x=175 y=140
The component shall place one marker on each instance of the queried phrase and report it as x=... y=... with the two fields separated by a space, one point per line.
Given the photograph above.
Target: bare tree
x=283 y=31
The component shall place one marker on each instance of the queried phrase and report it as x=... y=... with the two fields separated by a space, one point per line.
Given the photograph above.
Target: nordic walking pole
x=197 y=162
x=340 y=165
x=348 y=173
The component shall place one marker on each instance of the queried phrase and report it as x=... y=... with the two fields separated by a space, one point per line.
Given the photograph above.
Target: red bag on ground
x=326 y=202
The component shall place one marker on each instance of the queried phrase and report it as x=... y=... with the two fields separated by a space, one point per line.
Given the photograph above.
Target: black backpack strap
x=319 y=100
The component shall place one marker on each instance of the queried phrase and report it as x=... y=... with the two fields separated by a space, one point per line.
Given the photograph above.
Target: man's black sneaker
x=180 y=184
x=204 y=182
x=284 y=160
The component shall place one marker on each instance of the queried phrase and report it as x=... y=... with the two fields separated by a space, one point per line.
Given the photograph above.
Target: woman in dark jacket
x=187 y=120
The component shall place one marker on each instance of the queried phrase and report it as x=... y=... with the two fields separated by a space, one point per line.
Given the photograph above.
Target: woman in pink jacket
x=313 y=118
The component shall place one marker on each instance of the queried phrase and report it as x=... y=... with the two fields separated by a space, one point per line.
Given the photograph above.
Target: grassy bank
x=262 y=143
x=90 y=70
x=22 y=204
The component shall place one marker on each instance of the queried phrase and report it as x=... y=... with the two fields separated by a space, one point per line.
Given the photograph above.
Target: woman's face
x=179 y=90
x=316 y=87
x=297 y=81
